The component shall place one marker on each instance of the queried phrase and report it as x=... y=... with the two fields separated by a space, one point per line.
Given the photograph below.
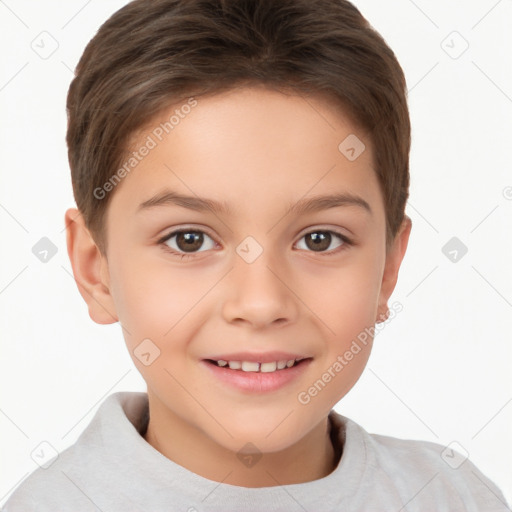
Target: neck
x=311 y=458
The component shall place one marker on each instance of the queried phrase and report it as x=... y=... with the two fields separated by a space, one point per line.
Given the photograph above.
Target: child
x=241 y=171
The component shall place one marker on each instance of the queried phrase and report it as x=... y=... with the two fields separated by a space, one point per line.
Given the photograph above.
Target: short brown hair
x=152 y=53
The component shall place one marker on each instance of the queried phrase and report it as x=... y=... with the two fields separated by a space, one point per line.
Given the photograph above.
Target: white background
x=440 y=371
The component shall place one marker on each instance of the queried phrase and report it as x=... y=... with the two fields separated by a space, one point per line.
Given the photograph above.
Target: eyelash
x=346 y=242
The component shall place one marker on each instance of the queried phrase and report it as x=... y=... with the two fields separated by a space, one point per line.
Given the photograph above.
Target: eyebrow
x=305 y=205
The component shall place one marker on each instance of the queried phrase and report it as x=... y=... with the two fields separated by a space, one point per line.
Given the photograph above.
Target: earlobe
x=89 y=269
x=393 y=261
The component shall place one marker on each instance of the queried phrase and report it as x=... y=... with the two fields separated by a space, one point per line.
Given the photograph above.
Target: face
x=244 y=269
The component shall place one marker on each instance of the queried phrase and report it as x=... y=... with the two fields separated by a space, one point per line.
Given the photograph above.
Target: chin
x=247 y=443
x=274 y=434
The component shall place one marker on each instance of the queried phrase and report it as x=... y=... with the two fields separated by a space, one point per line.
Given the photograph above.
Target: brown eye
x=187 y=241
x=320 y=241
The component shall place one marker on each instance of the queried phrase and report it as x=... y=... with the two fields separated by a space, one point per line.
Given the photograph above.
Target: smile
x=256 y=377
x=252 y=366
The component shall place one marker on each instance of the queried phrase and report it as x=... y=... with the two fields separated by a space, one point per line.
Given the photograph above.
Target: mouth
x=256 y=366
x=256 y=376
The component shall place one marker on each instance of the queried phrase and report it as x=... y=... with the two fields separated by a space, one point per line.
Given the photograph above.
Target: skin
x=258 y=150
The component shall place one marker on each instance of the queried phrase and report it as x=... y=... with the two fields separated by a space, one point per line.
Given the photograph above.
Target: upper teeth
x=251 y=366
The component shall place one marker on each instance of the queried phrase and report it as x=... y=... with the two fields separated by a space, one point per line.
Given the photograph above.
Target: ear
x=394 y=259
x=90 y=269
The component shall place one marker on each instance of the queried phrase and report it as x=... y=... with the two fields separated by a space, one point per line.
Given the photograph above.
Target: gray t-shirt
x=111 y=467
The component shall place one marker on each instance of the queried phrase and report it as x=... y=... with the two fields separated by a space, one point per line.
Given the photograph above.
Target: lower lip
x=258 y=382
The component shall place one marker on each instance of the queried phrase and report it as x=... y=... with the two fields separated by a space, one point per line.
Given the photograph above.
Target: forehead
x=252 y=149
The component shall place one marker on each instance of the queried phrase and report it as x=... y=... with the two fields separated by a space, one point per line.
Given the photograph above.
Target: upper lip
x=261 y=357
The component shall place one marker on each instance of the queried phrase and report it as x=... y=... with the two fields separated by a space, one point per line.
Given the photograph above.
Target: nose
x=259 y=294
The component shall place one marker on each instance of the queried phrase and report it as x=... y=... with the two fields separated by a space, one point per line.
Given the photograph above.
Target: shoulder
x=424 y=474
x=44 y=488
x=74 y=478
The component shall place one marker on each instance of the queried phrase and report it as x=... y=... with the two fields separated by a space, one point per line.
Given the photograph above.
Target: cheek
x=345 y=298
x=156 y=300
x=346 y=304
x=141 y=294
